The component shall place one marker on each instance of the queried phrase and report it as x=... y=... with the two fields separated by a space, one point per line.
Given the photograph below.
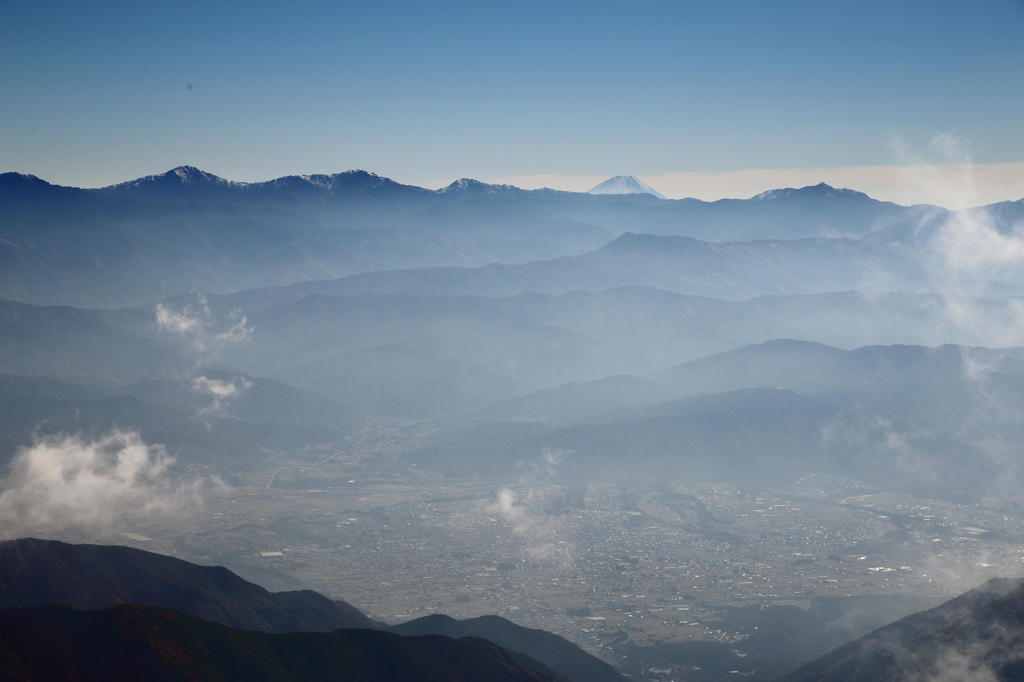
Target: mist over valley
x=690 y=439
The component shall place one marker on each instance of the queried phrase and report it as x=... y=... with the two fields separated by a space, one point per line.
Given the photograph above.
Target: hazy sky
x=96 y=93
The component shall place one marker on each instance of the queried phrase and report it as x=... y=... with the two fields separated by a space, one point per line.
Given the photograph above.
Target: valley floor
x=652 y=562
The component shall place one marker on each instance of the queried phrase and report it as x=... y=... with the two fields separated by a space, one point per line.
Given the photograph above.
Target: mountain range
x=189 y=231
x=939 y=421
x=480 y=349
x=617 y=336
x=593 y=372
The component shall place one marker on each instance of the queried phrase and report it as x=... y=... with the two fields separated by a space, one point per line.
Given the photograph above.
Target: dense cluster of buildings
x=647 y=562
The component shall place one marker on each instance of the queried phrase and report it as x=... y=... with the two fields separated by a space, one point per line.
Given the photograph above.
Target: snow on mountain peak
x=469 y=184
x=811 y=191
x=625 y=184
x=191 y=174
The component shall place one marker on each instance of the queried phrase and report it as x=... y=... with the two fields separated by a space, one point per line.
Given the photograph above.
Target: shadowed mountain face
x=129 y=642
x=977 y=636
x=742 y=437
x=546 y=647
x=957 y=392
x=42 y=572
x=214 y=393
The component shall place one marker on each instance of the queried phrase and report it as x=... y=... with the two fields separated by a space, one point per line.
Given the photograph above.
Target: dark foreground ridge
x=43 y=572
x=36 y=573
x=541 y=645
x=978 y=635
x=142 y=643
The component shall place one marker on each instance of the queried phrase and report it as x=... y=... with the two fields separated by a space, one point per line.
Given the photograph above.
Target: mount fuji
x=625 y=184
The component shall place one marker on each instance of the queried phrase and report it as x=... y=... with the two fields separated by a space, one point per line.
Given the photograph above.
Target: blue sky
x=92 y=94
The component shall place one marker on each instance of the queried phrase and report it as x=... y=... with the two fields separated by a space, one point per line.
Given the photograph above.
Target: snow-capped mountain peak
x=625 y=184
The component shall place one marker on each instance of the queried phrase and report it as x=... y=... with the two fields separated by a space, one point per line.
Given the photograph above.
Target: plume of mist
x=992 y=423
x=861 y=430
x=223 y=392
x=66 y=482
x=969 y=640
x=506 y=508
x=956 y=666
x=973 y=259
x=978 y=658
x=958 y=572
x=967 y=251
x=539 y=533
x=542 y=469
x=198 y=327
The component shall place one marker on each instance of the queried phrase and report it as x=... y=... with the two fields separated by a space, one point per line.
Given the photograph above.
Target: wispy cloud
x=539 y=535
x=196 y=325
x=223 y=392
x=968 y=250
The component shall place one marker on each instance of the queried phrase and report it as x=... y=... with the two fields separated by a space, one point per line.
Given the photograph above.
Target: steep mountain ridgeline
x=784 y=213
x=84 y=247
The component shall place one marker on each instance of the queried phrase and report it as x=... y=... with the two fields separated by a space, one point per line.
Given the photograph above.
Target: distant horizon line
x=953 y=186
x=453 y=183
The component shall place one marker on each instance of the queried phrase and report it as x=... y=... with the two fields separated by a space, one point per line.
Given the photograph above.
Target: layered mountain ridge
x=187 y=230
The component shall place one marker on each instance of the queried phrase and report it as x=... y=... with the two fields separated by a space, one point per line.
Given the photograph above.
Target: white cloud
x=506 y=507
x=67 y=482
x=543 y=468
x=968 y=250
x=196 y=326
x=178 y=322
x=223 y=392
x=538 y=535
x=955 y=666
